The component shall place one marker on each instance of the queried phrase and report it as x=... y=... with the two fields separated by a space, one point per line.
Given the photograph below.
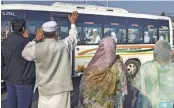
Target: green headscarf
x=162 y=52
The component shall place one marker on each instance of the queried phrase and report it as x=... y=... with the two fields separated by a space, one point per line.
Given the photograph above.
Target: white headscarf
x=146 y=37
x=146 y=33
x=113 y=35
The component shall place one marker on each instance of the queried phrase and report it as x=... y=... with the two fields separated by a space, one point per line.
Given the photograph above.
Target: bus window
x=135 y=34
x=121 y=35
x=110 y=31
x=63 y=29
x=150 y=34
x=5 y=26
x=34 y=20
x=32 y=26
x=118 y=32
x=90 y=33
x=164 y=33
x=79 y=29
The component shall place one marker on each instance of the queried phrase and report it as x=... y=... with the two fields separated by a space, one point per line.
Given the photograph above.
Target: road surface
x=74 y=96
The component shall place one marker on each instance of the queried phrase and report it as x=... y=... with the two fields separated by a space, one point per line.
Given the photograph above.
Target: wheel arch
x=136 y=59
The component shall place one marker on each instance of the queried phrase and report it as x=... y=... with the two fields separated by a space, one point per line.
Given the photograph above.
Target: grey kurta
x=53 y=63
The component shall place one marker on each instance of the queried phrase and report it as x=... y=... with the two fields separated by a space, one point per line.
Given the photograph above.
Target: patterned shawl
x=103 y=77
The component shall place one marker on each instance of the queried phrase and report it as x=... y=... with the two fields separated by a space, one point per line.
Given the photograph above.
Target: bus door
x=63 y=28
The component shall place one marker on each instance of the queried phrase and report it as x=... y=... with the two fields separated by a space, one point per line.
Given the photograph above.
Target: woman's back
x=103 y=80
x=166 y=82
x=155 y=78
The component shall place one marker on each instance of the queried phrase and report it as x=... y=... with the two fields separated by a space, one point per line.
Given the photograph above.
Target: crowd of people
x=44 y=62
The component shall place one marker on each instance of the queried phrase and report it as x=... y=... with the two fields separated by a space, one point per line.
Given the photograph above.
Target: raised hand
x=39 y=35
x=73 y=17
x=26 y=34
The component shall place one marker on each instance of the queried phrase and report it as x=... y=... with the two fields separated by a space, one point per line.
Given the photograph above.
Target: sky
x=145 y=7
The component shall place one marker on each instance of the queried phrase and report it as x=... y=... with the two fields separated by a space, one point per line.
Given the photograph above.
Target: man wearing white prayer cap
x=95 y=38
x=53 y=63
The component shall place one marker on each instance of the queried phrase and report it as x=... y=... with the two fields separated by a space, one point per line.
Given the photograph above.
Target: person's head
x=50 y=29
x=113 y=35
x=94 y=32
x=104 y=68
x=130 y=32
x=162 y=52
x=145 y=33
x=89 y=31
x=107 y=33
x=105 y=55
x=18 y=25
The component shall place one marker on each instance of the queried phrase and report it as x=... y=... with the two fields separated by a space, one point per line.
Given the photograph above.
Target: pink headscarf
x=105 y=55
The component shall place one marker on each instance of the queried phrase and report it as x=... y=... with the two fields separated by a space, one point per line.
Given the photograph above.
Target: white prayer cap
x=94 y=30
x=50 y=26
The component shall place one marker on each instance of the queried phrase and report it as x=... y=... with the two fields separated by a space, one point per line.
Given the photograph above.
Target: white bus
x=130 y=30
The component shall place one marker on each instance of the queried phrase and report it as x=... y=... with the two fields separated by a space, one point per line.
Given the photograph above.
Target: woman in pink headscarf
x=103 y=84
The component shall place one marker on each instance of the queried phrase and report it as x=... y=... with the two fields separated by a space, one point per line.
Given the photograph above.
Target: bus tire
x=132 y=67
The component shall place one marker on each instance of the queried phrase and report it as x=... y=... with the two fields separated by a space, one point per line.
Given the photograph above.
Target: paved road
x=74 y=96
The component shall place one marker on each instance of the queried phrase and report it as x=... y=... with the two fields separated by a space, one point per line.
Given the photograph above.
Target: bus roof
x=97 y=10
x=89 y=7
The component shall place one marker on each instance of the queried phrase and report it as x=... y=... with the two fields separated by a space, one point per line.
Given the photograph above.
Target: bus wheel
x=132 y=68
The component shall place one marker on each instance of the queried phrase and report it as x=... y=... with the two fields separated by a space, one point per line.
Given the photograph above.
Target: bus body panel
x=120 y=23
x=83 y=11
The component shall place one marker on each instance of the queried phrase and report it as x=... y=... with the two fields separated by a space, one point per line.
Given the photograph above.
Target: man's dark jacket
x=14 y=68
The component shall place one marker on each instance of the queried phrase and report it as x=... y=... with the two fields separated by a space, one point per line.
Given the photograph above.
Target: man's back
x=16 y=70
x=53 y=65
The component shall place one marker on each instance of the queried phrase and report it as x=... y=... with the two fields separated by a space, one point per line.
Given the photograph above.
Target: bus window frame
x=164 y=30
x=89 y=25
x=146 y=26
x=163 y=23
x=117 y=27
x=140 y=29
x=16 y=14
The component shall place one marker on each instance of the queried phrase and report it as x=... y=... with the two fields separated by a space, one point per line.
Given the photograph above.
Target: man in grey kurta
x=53 y=64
